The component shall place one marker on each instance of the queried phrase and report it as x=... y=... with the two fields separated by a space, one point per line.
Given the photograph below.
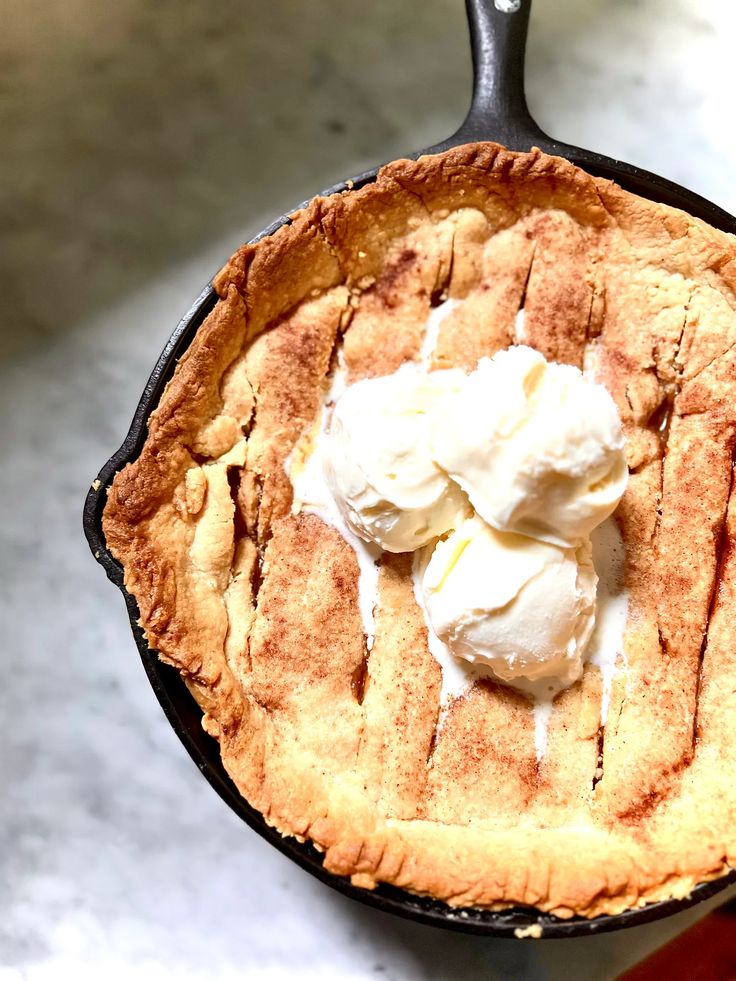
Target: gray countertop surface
x=143 y=142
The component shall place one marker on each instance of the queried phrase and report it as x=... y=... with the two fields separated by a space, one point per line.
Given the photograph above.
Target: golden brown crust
x=259 y=608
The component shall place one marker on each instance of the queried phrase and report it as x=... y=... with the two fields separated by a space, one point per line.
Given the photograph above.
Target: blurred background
x=141 y=143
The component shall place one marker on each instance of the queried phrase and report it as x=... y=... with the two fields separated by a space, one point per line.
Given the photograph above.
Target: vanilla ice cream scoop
x=536 y=446
x=378 y=465
x=523 y=607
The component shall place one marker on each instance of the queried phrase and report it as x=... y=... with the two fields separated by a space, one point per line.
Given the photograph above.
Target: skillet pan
x=498 y=112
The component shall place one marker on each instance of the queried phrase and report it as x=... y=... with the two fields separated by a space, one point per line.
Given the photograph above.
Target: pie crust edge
x=332 y=253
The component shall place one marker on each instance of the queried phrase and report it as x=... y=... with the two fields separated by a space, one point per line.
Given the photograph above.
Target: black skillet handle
x=498 y=31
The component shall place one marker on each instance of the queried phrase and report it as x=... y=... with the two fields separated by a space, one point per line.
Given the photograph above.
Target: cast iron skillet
x=498 y=112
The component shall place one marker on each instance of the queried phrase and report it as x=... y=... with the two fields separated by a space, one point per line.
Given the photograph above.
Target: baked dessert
x=335 y=739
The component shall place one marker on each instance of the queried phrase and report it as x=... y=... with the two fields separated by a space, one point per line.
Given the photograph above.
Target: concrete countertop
x=143 y=142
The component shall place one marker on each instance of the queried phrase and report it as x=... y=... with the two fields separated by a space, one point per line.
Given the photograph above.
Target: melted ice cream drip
x=432 y=331
x=520 y=328
x=606 y=645
x=542 y=714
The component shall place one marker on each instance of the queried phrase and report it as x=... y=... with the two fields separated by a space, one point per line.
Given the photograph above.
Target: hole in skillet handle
x=498 y=112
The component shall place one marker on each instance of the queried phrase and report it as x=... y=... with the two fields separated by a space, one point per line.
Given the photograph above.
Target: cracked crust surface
x=258 y=608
